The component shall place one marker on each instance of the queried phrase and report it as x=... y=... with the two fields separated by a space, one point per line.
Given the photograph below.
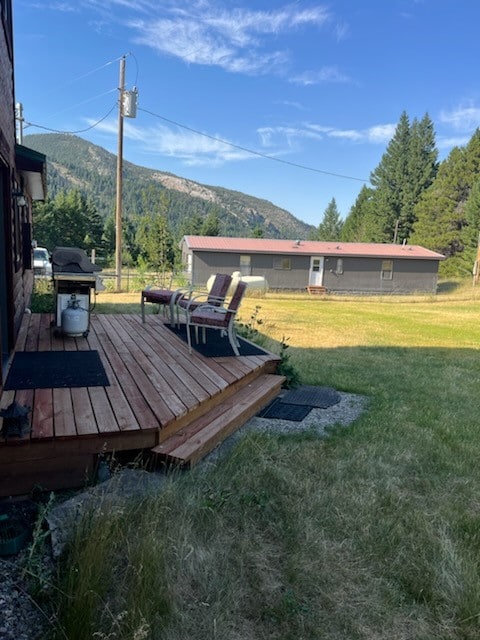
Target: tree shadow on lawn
x=449 y=286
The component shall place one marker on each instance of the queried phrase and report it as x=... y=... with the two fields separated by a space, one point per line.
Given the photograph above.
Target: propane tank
x=74 y=319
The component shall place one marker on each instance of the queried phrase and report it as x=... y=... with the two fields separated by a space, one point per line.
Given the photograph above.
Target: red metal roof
x=310 y=247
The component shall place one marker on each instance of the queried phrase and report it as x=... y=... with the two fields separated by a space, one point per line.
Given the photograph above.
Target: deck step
x=316 y=289
x=189 y=445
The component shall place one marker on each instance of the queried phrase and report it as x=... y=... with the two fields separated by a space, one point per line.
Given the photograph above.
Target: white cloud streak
x=466 y=117
x=193 y=149
x=212 y=32
x=321 y=76
x=276 y=136
x=237 y=40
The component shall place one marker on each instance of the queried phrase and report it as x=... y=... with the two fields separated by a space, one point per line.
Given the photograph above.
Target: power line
x=79 y=104
x=39 y=126
x=216 y=139
x=255 y=153
x=84 y=75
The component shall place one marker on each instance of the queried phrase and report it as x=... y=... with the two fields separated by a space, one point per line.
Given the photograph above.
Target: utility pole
x=118 y=210
x=20 y=120
x=127 y=108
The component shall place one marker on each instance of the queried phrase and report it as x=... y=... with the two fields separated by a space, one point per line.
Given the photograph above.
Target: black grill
x=74 y=276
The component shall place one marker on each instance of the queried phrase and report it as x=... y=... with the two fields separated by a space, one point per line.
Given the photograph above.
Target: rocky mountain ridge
x=73 y=162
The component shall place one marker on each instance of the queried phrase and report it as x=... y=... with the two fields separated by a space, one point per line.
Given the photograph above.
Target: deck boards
x=156 y=387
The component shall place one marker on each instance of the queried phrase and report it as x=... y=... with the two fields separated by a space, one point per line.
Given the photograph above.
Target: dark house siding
x=356 y=275
x=16 y=275
x=364 y=275
x=206 y=263
x=7 y=159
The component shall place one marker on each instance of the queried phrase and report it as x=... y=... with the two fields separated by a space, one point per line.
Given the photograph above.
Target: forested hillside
x=74 y=163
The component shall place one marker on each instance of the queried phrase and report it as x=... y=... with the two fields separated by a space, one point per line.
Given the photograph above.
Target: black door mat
x=56 y=369
x=216 y=345
x=281 y=411
x=319 y=397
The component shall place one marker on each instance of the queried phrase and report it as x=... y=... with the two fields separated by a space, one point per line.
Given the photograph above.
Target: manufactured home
x=337 y=267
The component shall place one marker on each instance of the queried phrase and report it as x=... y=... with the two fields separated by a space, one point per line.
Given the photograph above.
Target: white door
x=315 y=278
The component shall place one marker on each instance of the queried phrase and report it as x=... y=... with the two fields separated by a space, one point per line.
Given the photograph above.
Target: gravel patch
x=20 y=617
x=318 y=421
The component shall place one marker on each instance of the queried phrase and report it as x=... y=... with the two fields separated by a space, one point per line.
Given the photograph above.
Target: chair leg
x=143 y=309
x=233 y=339
x=173 y=304
x=189 y=339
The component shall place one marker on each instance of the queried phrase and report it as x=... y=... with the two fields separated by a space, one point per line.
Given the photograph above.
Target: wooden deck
x=160 y=397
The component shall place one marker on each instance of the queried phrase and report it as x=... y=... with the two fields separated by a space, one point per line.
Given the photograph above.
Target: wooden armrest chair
x=188 y=303
x=207 y=316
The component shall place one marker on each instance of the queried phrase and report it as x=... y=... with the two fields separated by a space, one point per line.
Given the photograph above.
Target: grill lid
x=72 y=260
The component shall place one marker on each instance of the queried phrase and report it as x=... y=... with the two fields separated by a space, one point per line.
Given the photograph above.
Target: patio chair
x=187 y=302
x=207 y=316
x=165 y=297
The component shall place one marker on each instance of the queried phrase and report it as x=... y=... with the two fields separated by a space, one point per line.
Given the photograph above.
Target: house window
x=282 y=264
x=387 y=270
x=339 y=268
x=245 y=266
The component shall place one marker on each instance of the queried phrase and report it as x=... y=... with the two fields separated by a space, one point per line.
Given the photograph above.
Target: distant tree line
x=415 y=199
x=148 y=240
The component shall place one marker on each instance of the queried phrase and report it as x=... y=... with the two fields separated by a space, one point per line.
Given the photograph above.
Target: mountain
x=73 y=162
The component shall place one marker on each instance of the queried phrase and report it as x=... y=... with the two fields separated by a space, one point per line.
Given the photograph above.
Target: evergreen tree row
x=415 y=199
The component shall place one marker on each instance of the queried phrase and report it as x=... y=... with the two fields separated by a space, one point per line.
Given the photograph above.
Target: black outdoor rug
x=278 y=410
x=318 y=397
x=296 y=404
x=56 y=369
x=216 y=346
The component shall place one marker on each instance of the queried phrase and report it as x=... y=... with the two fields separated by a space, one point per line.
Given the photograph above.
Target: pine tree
x=390 y=179
x=211 y=224
x=330 y=227
x=69 y=220
x=155 y=242
x=421 y=168
x=446 y=214
x=386 y=212
x=364 y=223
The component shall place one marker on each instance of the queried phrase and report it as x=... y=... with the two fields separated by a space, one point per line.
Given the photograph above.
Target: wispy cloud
x=377 y=134
x=238 y=40
x=465 y=117
x=193 y=149
x=321 y=76
x=281 y=137
x=450 y=142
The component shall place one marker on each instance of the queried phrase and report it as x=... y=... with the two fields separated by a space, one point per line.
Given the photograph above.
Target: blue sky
x=308 y=84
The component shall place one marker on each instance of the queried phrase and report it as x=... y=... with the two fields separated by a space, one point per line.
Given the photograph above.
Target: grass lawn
x=371 y=533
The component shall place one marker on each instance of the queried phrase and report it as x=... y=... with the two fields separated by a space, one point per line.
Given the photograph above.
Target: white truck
x=42 y=265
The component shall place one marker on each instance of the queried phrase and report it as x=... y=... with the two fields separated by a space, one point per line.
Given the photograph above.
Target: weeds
x=286 y=367
x=250 y=329
x=43 y=296
x=35 y=568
